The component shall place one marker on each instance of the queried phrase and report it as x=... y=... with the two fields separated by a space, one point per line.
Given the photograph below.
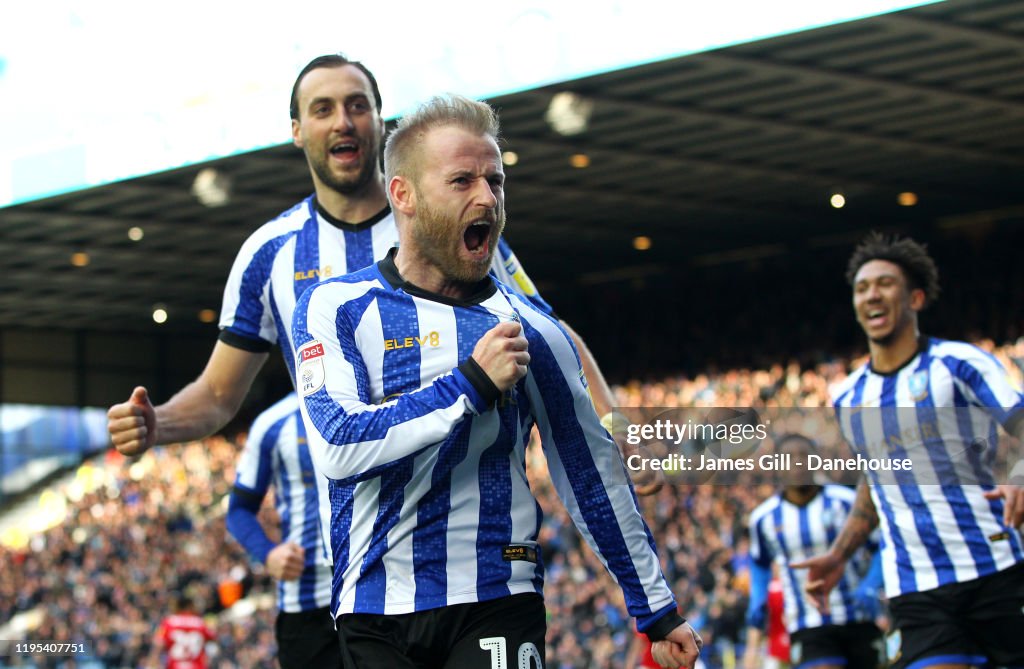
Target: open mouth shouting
x=477 y=238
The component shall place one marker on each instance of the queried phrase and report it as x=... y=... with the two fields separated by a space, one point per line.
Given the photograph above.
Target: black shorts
x=854 y=646
x=505 y=632
x=961 y=623
x=307 y=639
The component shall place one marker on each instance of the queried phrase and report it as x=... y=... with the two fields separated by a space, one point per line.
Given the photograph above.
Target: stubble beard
x=343 y=184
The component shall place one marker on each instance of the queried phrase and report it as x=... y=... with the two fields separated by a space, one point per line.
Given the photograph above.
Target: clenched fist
x=502 y=354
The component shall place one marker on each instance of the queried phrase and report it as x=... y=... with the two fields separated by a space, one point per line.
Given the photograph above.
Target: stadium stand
x=127 y=534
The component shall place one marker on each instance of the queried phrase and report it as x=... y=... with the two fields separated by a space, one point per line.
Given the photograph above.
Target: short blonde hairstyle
x=400 y=151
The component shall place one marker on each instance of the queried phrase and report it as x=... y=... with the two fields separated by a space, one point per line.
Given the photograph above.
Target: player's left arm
x=590 y=477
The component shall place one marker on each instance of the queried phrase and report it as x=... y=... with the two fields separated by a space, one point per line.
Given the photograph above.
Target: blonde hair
x=400 y=151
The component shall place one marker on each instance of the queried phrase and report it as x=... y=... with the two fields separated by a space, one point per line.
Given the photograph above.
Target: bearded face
x=462 y=247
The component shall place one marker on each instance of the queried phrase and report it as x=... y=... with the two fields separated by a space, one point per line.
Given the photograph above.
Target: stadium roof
x=717 y=158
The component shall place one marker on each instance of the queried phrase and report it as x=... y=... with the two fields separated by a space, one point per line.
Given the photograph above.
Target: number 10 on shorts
x=498 y=648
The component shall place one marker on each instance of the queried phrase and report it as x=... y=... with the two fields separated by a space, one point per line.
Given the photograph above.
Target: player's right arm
x=352 y=436
x=248 y=332
x=826 y=570
x=197 y=410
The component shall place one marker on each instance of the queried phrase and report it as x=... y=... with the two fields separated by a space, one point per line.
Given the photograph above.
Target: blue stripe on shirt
x=371 y=590
x=342 y=504
x=358 y=249
x=307 y=252
x=399 y=322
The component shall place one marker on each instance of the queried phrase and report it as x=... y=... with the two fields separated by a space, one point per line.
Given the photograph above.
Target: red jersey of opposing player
x=183 y=635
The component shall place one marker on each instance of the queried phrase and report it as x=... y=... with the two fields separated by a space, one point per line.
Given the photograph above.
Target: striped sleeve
x=348 y=434
x=246 y=318
x=984 y=380
x=588 y=472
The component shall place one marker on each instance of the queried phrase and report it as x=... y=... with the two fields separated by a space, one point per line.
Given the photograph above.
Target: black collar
x=480 y=292
x=923 y=342
x=345 y=225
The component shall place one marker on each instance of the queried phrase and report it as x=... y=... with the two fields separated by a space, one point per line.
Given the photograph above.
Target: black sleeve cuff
x=244 y=343
x=664 y=625
x=476 y=375
x=247 y=499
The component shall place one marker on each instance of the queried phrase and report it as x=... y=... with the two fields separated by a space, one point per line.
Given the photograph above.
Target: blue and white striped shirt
x=940 y=410
x=276 y=454
x=299 y=248
x=430 y=500
x=784 y=532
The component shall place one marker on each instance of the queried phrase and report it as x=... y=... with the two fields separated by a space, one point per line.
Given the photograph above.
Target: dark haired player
x=952 y=552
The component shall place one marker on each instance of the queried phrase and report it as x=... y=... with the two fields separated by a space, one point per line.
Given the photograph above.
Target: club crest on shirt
x=918 y=384
x=309 y=368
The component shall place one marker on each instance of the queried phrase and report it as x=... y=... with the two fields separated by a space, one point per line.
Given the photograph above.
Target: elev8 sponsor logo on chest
x=432 y=339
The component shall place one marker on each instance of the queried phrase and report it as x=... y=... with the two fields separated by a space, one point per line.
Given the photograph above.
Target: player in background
x=344 y=226
x=434 y=527
x=183 y=636
x=276 y=455
x=952 y=552
x=800 y=521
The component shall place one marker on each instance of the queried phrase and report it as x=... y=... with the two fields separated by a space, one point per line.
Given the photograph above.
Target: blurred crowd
x=137 y=531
